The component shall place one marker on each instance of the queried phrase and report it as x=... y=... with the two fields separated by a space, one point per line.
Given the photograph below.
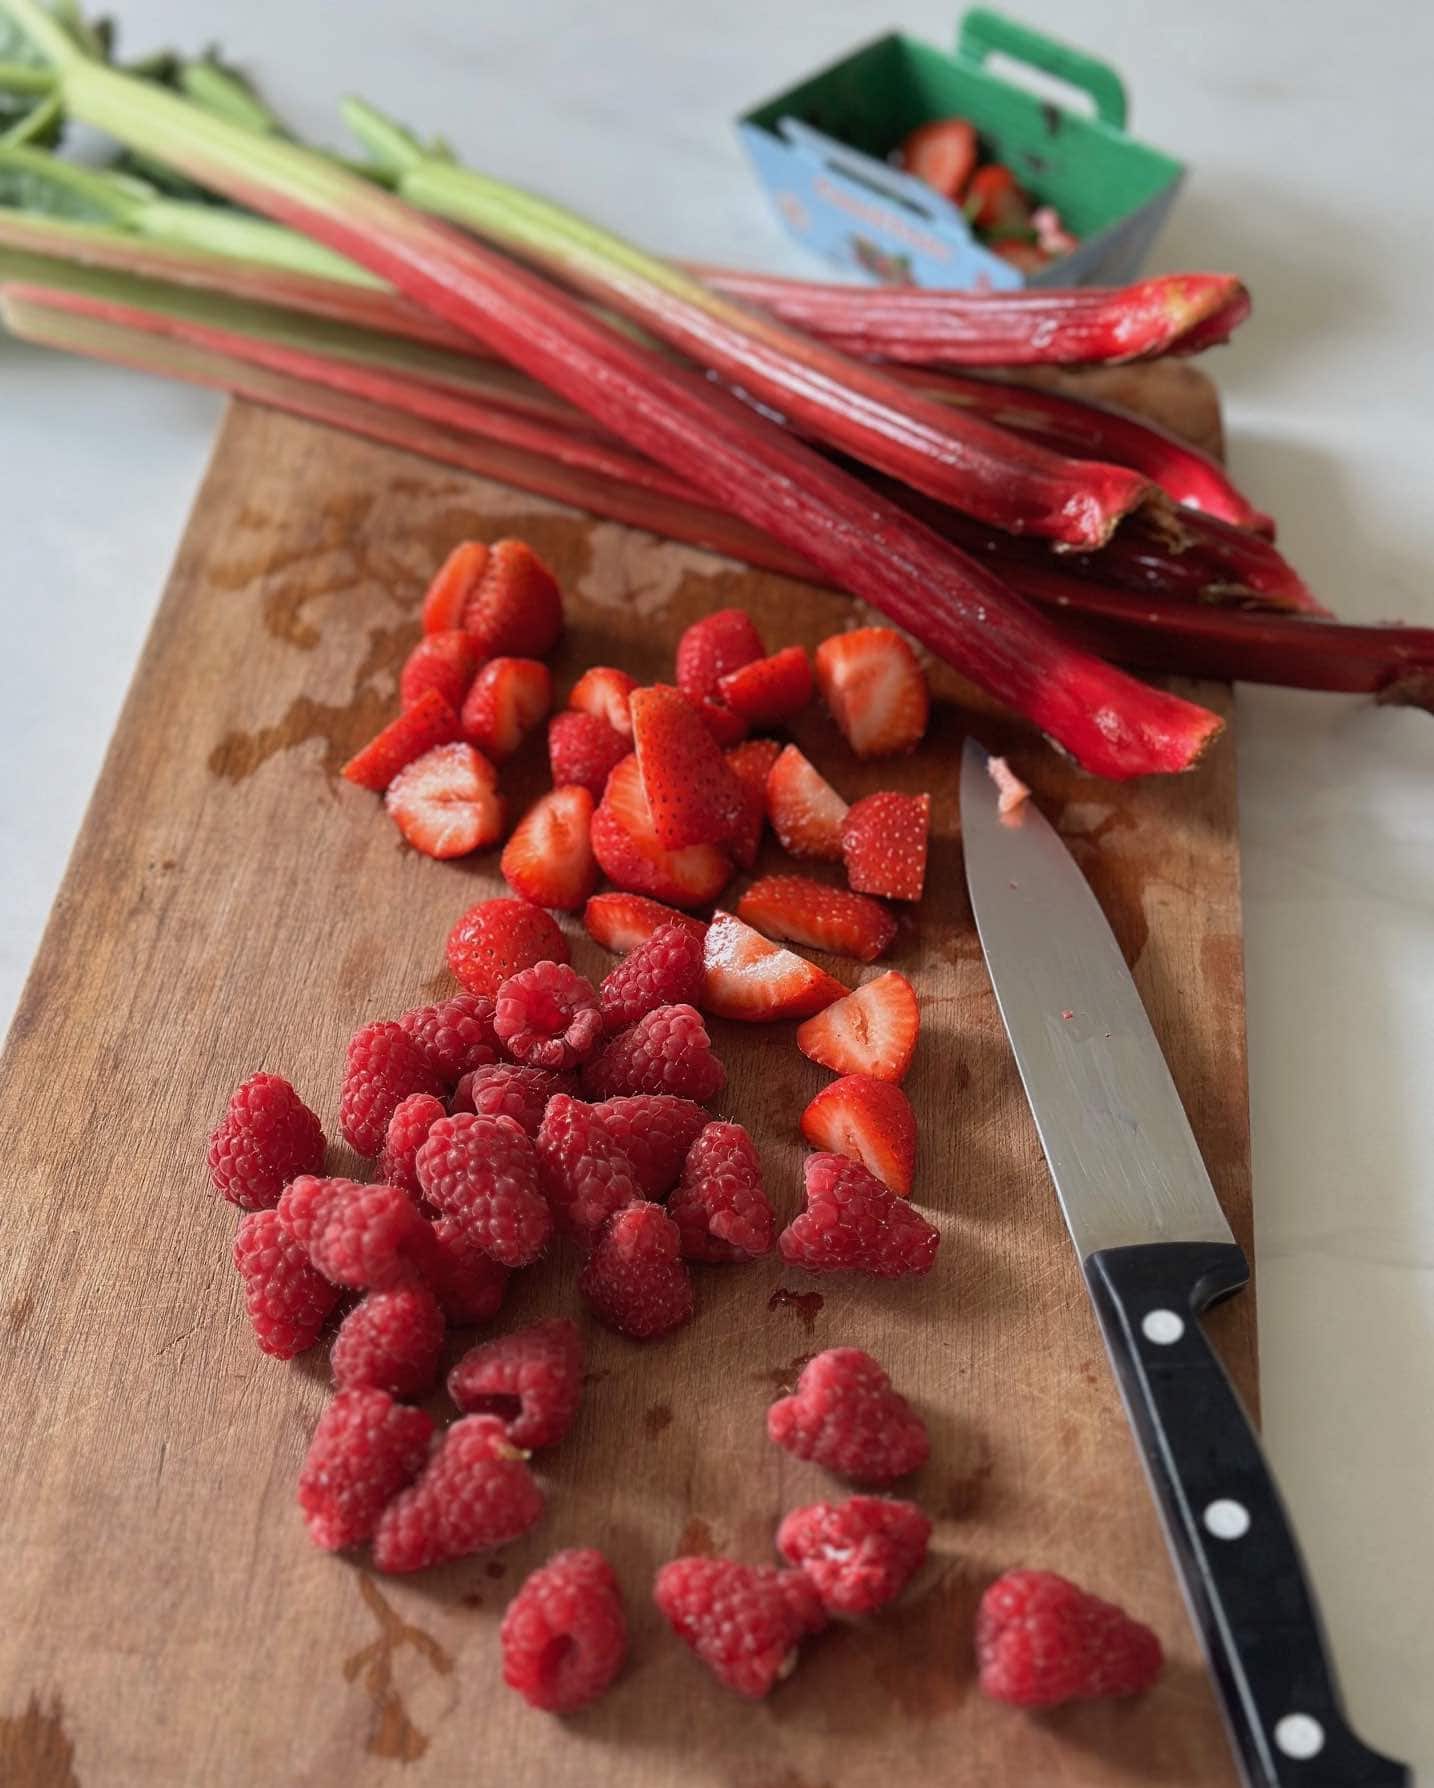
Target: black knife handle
x=1232 y=1541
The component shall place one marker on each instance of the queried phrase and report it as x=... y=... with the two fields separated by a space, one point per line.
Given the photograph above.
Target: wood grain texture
x=232 y=904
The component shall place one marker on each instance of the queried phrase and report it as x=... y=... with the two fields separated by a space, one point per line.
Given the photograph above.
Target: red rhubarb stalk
x=957 y=457
x=1103 y=431
x=1088 y=326
x=1111 y=724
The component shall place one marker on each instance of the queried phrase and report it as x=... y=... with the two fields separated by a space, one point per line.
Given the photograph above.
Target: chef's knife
x=1156 y=1252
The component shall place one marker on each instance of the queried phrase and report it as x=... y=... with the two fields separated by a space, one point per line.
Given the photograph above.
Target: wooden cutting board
x=232 y=904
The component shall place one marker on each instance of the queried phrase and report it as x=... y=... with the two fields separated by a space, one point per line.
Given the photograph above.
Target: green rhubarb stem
x=956 y=457
x=25 y=77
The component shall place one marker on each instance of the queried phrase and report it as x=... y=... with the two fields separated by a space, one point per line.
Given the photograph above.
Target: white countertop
x=1306 y=126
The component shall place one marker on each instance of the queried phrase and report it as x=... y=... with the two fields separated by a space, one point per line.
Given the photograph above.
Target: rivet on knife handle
x=1232 y=1543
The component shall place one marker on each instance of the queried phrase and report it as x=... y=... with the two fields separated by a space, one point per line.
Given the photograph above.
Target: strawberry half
x=583 y=748
x=866 y=1120
x=623 y=921
x=875 y=689
x=549 y=859
x=430 y=721
x=806 y=812
x=883 y=845
x=751 y=763
x=605 y=692
x=944 y=154
x=746 y=976
x=628 y=852
x=514 y=607
x=806 y=912
x=771 y=690
x=711 y=647
x=508 y=698
x=725 y=727
x=446 y=803
x=872 y=1031
x=444 y=661
x=453 y=583
x=694 y=798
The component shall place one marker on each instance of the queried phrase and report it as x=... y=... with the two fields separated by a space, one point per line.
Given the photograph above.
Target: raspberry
x=307 y=1201
x=585 y=1175
x=845 y=1415
x=484 y=1173
x=720 y=1207
x=508 y=1090
x=852 y=1223
x=288 y=1302
x=390 y=1342
x=370 y=1238
x=1040 y=1640
x=548 y=1016
x=668 y=1051
x=407 y=1128
x=664 y=971
x=365 y=1449
x=383 y=1067
x=476 y=1492
x=456 y=1035
x=467 y=1282
x=497 y=938
x=564 y=1635
x=532 y=1380
x=634 y=1279
x=743 y=1621
x=266 y=1136
x=654 y=1131
x=860 y=1554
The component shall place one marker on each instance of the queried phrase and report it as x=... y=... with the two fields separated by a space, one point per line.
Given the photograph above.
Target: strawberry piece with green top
x=508 y=698
x=746 y=976
x=872 y=1031
x=801 y=911
x=549 y=859
x=883 y=845
x=770 y=690
x=446 y=803
x=629 y=852
x=712 y=647
x=430 y=721
x=623 y=921
x=867 y=1120
x=692 y=795
x=875 y=689
x=806 y=812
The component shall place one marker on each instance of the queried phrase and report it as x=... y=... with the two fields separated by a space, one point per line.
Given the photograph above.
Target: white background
x=1307 y=128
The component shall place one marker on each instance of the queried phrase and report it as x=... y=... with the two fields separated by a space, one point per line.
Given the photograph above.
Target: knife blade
x=1156 y=1251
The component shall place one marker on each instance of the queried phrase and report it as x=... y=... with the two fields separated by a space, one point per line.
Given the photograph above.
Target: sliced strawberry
x=771 y=690
x=446 y=803
x=746 y=976
x=453 y=583
x=725 y=727
x=943 y=154
x=806 y=912
x=629 y=854
x=429 y=722
x=866 y=1120
x=875 y=689
x=711 y=647
x=514 y=608
x=623 y=921
x=995 y=202
x=751 y=763
x=806 y=812
x=694 y=798
x=549 y=859
x=508 y=698
x=605 y=692
x=444 y=661
x=872 y=1031
x=883 y=845
x=584 y=749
